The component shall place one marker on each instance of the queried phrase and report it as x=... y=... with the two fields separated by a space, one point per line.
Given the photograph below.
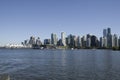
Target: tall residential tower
x=63 y=39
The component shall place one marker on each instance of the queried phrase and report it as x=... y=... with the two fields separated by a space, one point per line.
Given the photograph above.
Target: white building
x=63 y=38
x=104 y=43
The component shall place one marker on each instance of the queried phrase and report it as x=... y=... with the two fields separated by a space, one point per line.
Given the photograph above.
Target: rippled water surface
x=29 y=64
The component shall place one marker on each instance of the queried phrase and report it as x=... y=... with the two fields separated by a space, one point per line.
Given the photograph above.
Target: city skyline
x=24 y=18
x=89 y=41
x=107 y=41
x=59 y=36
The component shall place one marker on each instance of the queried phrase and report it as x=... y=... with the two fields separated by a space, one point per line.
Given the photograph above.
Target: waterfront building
x=109 y=38
x=78 y=41
x=70 y=40
x=14 y=46
x=67 y=41
x=54 y=39
x=47 y=41
x=83 y=41
x=94 y=41
x=108 y=30
x=101 y=42
x=115 y=41
x=38 y=41
x=63 y=39
x=104 y=33
x=32 y=40
x=59 y=42
x=88 y=40
x=25 y=42
x=109 y=41
x=75 y=41
x=119 y=42
x=105 y=42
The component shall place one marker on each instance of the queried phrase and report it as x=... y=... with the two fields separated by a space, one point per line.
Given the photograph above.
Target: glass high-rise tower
x=53 y=39
x=108 y=30
x=109 y=38
x=104 y=33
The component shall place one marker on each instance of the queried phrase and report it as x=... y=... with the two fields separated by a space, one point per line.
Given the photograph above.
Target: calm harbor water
x=29 y=64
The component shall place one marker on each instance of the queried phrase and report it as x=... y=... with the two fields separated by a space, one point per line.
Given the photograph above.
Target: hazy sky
x=20 y=19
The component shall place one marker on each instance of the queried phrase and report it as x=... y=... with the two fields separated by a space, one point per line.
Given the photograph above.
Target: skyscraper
x=114 y=41
x=75 y=41
x=101 y=42
x=105 y=42
x=47 y=41
x=78 y=41
x=53 y=39
x=104 y=33
x=70 y=40
x=83 y=41
x=119 y=42
x=32 y=40
x=38 y=41
x=108 y=30
x=88 y=40
x=94 y=41
x=63 y=39
x=109 y=38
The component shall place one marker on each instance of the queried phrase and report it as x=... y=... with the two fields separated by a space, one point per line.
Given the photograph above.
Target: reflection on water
x=30 y=64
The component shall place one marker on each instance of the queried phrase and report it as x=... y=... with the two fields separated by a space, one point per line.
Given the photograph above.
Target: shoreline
x=114 y=49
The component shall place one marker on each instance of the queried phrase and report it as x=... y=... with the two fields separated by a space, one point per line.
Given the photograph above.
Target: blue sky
x=20 y=19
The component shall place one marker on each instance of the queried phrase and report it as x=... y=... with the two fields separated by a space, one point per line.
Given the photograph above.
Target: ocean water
x=30 y=64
